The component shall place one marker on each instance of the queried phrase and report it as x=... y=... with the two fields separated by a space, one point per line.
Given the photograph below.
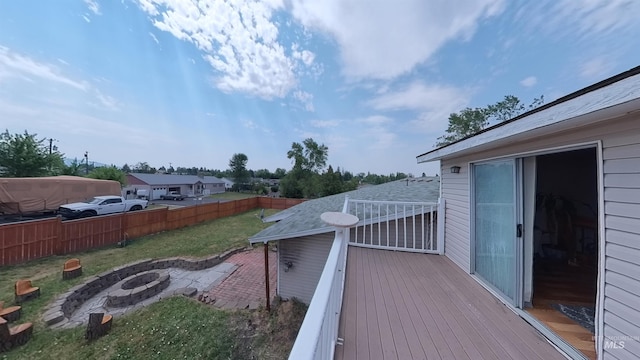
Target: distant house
x=228 y=184
x=304 y=240
x=268 y=182
x=160 y=184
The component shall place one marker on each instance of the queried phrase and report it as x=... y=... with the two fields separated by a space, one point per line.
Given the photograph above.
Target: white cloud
x=41 y=74
x=433 y=103
x=376 y=120
x=529 y=81
x=383 y=39
x=238 y=39
x=154 y=38
x=13 y=64
x=582 y=18
x=420 y=96
x=251 y=125
x=324 y=123
x=107 y=101
x=597 y=68
x=376 y=132
x=305 y=98
x=305 y=56
x=599 y=16
x=149 y=6
x=93 y=6
x=86 y=18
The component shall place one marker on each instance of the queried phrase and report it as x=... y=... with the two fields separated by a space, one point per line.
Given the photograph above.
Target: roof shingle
x=304 y=219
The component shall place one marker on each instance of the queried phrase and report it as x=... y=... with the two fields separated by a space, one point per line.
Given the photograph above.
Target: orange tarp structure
x=42 y=194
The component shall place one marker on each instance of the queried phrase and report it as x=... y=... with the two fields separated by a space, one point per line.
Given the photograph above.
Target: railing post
x=266 y=276
x=440 y=224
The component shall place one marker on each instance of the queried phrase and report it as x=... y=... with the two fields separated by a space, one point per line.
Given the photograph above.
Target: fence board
x=27 y=240
x=84 y=234
x=181 y=217
x=141 y=223
x=24 y=241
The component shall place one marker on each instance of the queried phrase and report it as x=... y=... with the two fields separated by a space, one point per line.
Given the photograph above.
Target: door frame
x=554 y=338
x=518 y=243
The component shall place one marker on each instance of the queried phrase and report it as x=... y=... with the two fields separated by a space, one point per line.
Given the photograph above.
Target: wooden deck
x=416 y=306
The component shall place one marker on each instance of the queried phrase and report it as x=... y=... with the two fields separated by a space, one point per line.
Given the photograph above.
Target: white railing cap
x=339 y=219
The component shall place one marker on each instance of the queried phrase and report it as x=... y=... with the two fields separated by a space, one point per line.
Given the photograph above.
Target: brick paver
x=245 y=287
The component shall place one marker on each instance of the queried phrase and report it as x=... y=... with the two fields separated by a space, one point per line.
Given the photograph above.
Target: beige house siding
x=455 y=191
x=308 y=255
x=621 y=166
x=621 y=156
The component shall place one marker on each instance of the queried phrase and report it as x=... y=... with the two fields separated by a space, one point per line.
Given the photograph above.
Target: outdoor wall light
x=455 y=169
x=287 y=265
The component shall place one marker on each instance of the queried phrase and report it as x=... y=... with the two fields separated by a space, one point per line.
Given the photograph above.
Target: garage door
x=157 y=192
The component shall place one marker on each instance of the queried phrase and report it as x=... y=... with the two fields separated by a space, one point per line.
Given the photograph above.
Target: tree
x=126 y=169
x=471 y=121
x=263 y=174
x=466 y=123
x=238 y=169
x=330 y=183
x=73 y=169
x=144 y=168
x=311 y=156
x=347 y=175
x=279 y=173
x=23 y=155
x=109 y=173
x=303 y=180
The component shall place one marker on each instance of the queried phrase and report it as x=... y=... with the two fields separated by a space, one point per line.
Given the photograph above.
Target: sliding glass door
x=495 y=226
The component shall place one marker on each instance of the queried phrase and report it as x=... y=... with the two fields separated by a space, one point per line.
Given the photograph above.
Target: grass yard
x=170 y=329
x=232 y=195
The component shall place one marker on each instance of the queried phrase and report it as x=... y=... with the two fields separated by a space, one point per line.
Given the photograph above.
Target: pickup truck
x=172 y=195
x=101 y=205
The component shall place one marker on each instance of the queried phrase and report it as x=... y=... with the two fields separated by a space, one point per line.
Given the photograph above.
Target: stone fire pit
x=138 y=287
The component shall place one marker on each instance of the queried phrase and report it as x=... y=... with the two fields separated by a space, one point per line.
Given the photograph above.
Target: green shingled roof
x=304 y=219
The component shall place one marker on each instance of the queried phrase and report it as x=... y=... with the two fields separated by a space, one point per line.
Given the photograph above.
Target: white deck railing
x=395 y=225
x=402 y=226
x=319 y=331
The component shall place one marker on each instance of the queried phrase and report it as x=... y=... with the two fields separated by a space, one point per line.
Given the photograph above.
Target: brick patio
x=245 y=287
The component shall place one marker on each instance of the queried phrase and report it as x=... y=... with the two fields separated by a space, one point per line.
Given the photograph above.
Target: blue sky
x=192 y=82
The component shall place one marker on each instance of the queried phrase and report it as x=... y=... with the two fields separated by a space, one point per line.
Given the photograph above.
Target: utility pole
x=86 y=165
x=51 y=149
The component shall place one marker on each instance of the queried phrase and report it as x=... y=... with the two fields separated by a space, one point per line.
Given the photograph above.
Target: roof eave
x=265 y=239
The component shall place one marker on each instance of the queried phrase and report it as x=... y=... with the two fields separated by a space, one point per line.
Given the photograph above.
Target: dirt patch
x=270 y=336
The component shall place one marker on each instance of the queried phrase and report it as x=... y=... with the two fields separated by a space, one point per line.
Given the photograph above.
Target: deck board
x=416 y=306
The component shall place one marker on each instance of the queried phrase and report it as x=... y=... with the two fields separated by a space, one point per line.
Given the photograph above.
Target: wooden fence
x=24 y=241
